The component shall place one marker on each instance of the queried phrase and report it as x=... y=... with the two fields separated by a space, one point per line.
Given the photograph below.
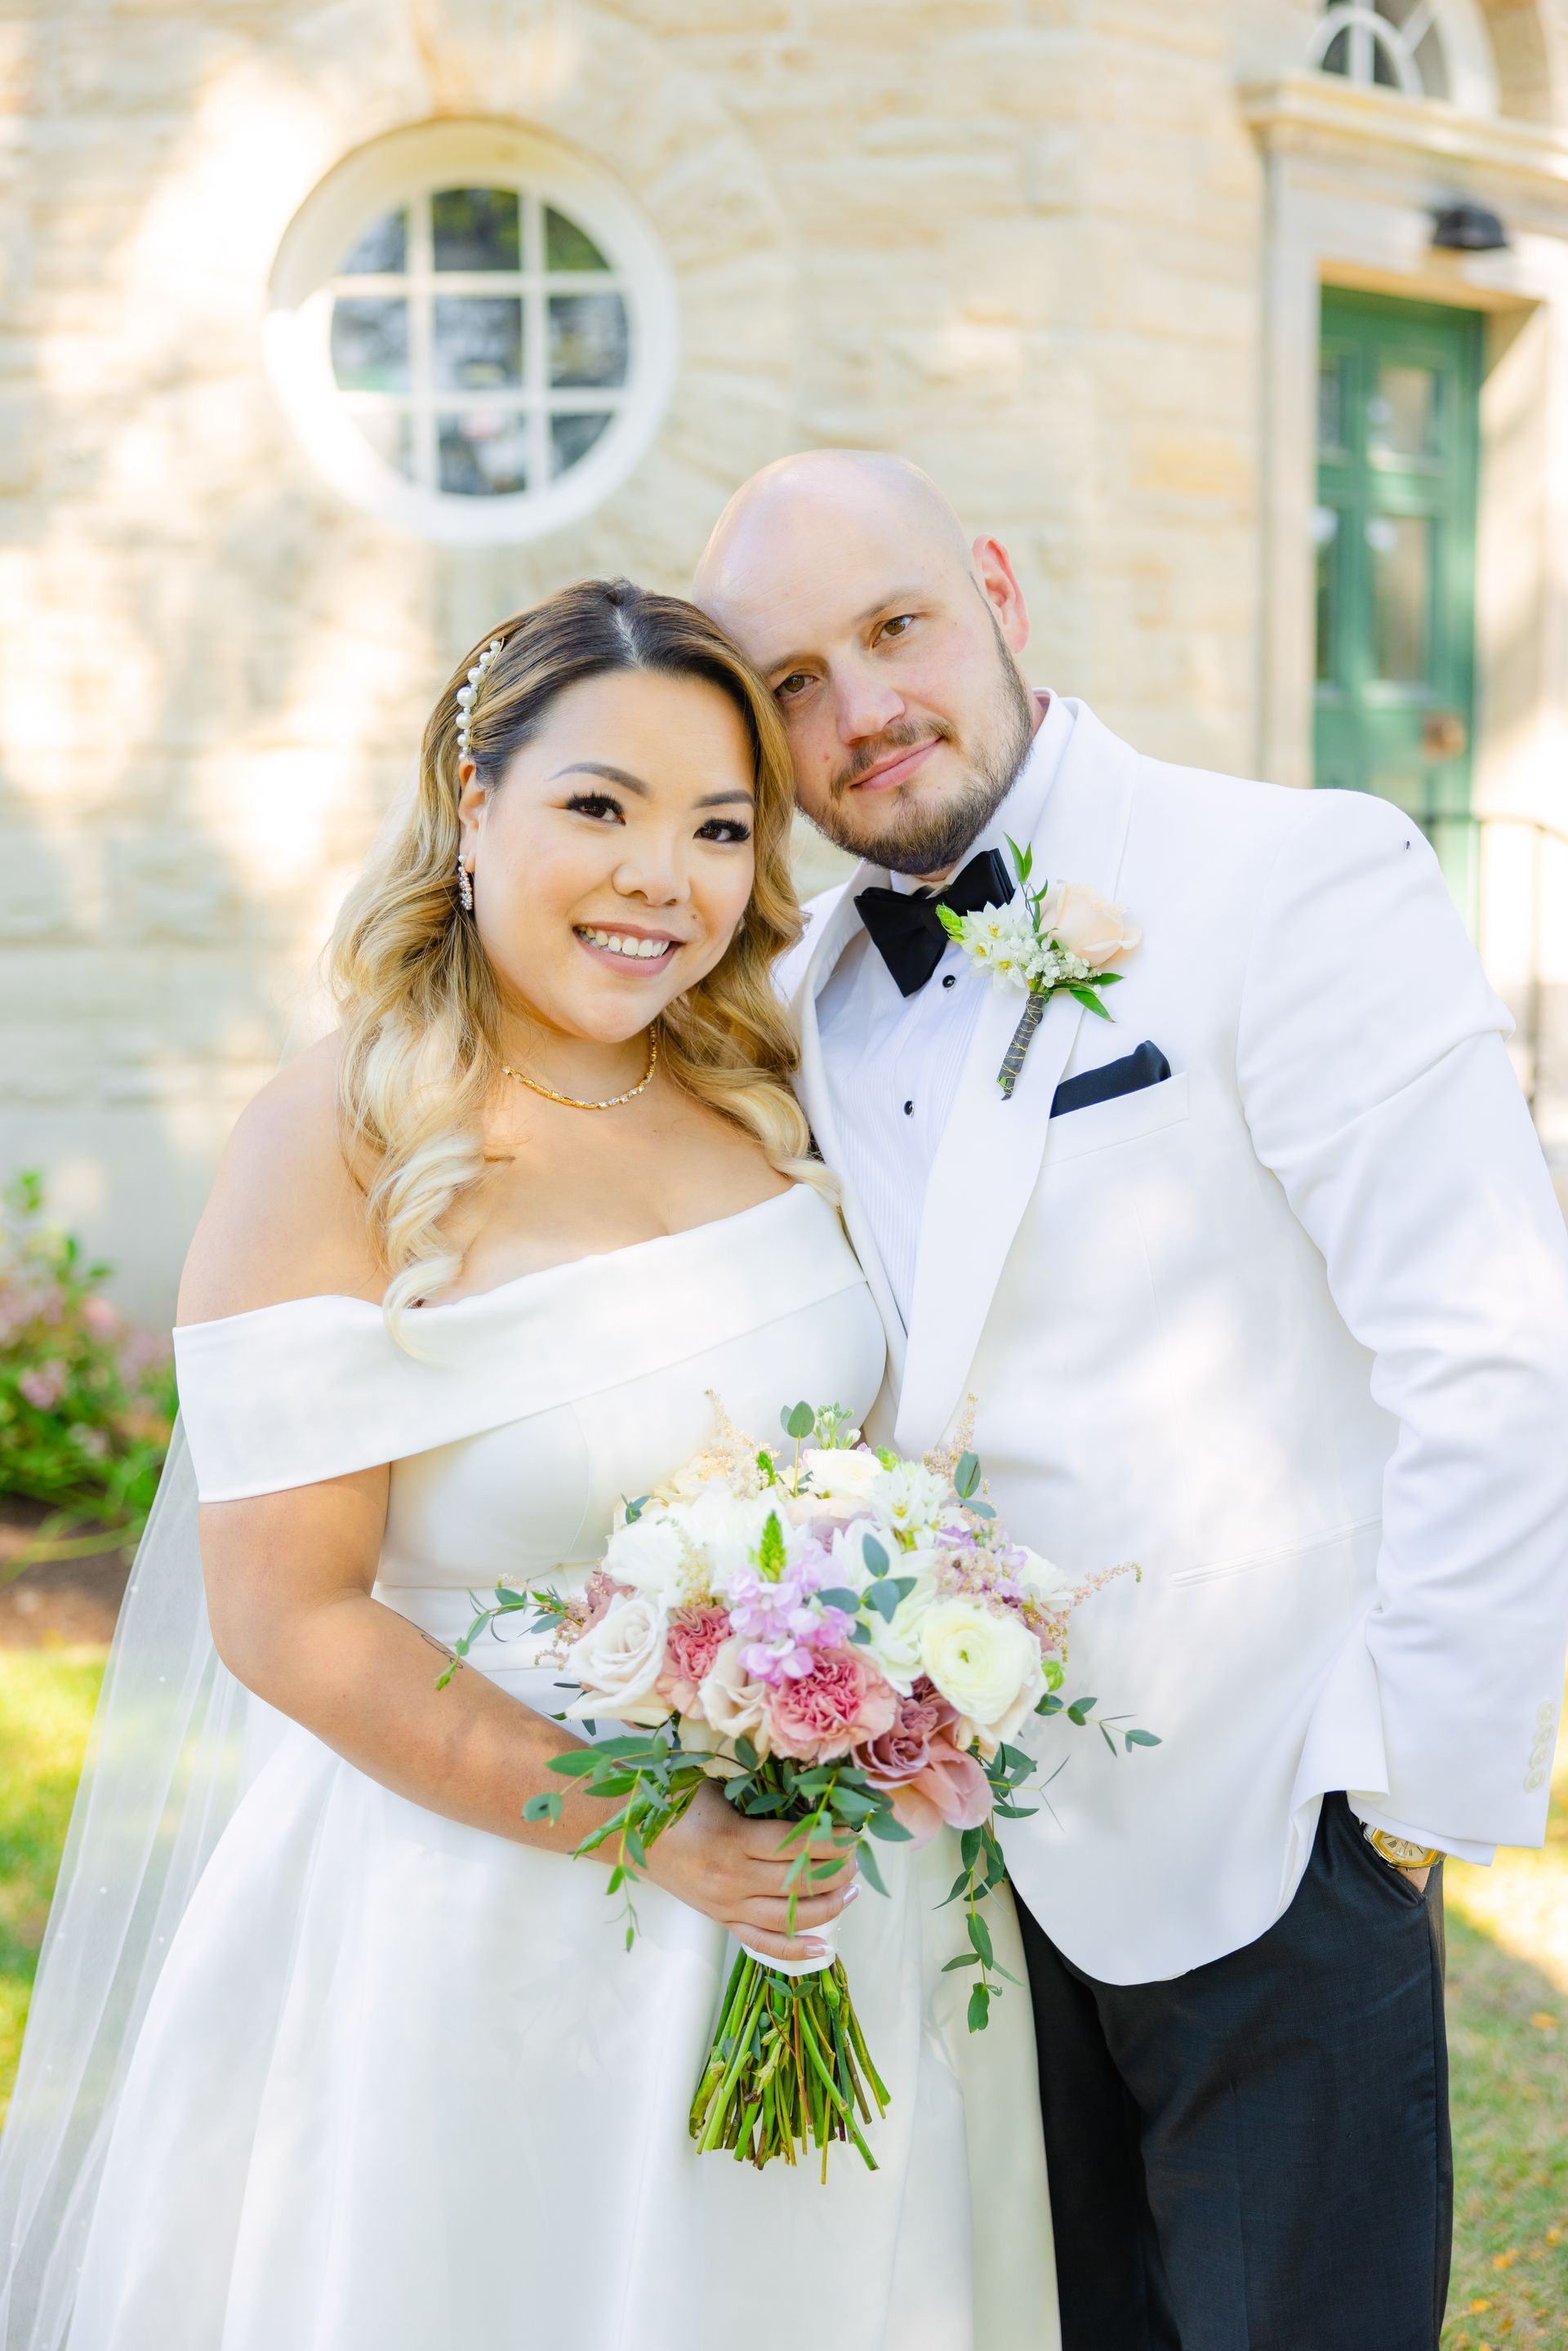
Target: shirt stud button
x=950 y=979
x=909 y=1110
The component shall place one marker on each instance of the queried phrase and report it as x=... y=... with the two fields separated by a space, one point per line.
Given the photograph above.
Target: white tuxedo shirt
x=893 y=1062
x=1289 y=1329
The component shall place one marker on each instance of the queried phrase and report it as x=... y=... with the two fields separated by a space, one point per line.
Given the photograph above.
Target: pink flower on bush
x=838 y=1703
x=100 y=1317
x=696 y=1637
x=44 y=1386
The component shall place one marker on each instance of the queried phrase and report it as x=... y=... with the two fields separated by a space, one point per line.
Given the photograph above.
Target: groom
x=1262 y=1286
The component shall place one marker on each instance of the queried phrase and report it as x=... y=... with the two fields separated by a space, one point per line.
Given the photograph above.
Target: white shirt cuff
x=1458 y=1848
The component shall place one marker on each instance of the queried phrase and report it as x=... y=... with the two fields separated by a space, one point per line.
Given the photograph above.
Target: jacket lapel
x=989 y=1160
x=838 y=927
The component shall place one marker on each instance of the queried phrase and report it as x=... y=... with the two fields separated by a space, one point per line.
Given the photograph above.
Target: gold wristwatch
x=1400 y=1853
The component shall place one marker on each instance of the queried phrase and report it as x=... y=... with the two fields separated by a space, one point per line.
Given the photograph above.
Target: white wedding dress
x=401 y=2086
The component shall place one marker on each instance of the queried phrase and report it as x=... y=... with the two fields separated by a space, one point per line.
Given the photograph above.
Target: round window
x=473 y=334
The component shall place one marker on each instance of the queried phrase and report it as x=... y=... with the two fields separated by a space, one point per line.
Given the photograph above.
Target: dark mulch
x=68 y=1602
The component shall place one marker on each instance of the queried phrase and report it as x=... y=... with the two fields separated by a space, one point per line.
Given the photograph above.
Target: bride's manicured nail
x=853 y=1894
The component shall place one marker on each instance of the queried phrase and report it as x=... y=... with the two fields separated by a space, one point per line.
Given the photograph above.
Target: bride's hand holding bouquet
x=841 y=1647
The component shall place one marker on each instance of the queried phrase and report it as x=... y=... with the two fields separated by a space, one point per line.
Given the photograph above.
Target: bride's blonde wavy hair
x=416 y=997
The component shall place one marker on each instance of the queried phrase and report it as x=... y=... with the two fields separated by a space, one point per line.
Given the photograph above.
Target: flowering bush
x=86 y=1403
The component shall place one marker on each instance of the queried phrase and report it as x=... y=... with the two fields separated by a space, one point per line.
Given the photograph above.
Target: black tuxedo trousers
x=1254 y=2156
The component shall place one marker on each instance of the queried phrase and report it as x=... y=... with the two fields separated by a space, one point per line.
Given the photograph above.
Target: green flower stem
x=788 y=2071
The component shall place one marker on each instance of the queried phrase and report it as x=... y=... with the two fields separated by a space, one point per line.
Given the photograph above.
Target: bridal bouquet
x=849 y=1642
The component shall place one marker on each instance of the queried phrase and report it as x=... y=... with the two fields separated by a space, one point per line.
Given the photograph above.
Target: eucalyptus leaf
x=980 y=2008
x=964 y=1960
x=1143 y=1738
x=870 y=1871
x=798 y=1421
x=966 y=1476
x=544 y=1808
x=874 y=1556
x=1081 y=1709
x=839 y=1595
x=890 y=1828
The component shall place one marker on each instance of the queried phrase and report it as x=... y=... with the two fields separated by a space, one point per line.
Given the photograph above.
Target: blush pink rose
x=950 y=1790
x=838 y=1704
x=1086 y=924
x=903 y=1751
x=696 y=1635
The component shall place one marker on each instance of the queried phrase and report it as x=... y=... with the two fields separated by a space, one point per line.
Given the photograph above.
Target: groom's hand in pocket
x=734 y=1869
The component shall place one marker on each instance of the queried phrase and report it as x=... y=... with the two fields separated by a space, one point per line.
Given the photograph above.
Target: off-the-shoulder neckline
x=251 y=1314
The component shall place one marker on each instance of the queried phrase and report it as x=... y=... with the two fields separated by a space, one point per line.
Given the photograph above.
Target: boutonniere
x=1059 y=941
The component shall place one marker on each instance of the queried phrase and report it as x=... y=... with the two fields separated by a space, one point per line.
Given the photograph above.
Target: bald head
x=891 y=643
x=823 y=490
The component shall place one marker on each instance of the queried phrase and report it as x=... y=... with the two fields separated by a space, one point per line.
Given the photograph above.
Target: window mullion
x=535 y=363
x=421 y=342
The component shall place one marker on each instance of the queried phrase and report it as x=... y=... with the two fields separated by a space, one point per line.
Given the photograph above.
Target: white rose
x=734 y=1706
x=618 y=1661
x=838 y=1483
x=1043 y=1580
x=984 y=1662
x=910 y=1499
x=649 y=1556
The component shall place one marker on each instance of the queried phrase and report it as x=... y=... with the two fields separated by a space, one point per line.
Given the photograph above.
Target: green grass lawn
x=47 y=1698
x=1508 y=2004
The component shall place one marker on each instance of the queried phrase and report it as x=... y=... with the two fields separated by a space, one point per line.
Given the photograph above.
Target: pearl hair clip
x=465 y=693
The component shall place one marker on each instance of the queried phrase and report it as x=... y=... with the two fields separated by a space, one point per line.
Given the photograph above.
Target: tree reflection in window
x=481 y=340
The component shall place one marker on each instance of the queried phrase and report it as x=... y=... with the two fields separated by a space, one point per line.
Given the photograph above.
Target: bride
x=473 y=1270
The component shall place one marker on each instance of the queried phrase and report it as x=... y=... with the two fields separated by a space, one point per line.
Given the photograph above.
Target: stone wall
x=1020 y=240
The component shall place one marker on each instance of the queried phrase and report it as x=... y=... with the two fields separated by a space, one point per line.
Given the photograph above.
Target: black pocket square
x=1146 y=1066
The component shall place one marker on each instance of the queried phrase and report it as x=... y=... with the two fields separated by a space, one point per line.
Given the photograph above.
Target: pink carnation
x=838 y=1703
x=696 y=1637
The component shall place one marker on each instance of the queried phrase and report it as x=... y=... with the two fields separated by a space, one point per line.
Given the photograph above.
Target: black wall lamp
x=1468 y=228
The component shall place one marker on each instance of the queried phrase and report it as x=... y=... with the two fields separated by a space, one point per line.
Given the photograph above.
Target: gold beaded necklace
x=572 y=1102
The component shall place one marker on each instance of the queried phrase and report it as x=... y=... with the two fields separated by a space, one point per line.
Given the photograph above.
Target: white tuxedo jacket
x=1289 y=1329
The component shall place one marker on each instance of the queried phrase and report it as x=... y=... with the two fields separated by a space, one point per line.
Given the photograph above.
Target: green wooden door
x=1398 y=436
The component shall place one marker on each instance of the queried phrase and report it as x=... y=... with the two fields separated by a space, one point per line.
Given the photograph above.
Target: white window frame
x=1461 y=34
x=308 y=274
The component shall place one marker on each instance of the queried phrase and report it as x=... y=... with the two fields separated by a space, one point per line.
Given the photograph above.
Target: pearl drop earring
x=465 y=887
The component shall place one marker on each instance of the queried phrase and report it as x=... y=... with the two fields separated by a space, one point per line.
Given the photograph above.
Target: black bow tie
x=907 y=929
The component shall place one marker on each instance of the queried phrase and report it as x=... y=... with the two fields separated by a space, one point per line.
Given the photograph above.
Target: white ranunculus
x=618 y=1661
x=734 y=1706
x=910 y=1499
x=984 y=1661
x=649 y=1556
x=1043 y=1580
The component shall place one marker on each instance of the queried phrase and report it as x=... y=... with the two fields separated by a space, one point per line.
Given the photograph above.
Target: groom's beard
x=929 y=840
